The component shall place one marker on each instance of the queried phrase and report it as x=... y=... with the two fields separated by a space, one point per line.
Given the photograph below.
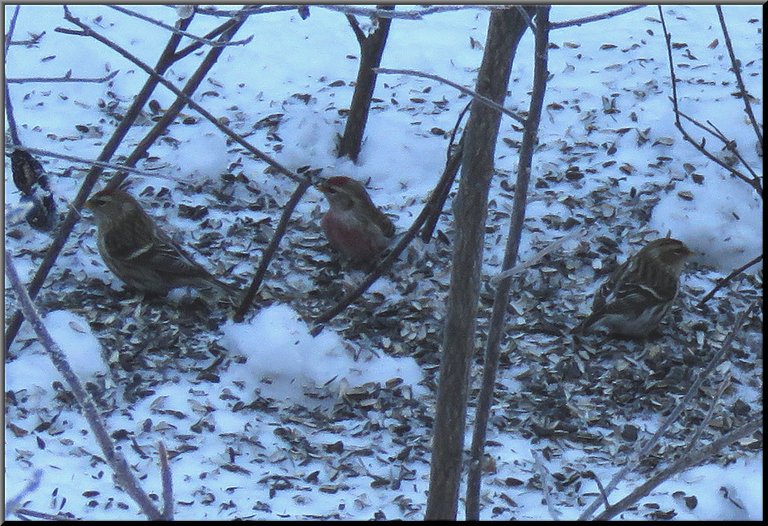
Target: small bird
x=30 y=177
x=354 y=226
x=639 y=293
x=138 y=252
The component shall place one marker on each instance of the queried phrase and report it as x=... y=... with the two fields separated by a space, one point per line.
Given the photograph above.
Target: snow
x=278 y=345
x=277 y=366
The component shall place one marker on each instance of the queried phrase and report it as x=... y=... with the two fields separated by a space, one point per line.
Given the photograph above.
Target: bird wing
x=630 y=291
x=631 y=299
x=171 y=258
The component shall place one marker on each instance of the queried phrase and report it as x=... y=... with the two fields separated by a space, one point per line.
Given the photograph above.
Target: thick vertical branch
x=501 y=299
x=470 y=210
x=371 y=51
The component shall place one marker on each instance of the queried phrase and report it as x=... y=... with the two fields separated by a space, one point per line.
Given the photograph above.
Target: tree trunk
x=501 y=298
x=470 y=209
x=371 y=51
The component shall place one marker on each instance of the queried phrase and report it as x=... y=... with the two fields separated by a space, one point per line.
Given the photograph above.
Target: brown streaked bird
x=354 y=226
x=138 y=252
x=639 y=293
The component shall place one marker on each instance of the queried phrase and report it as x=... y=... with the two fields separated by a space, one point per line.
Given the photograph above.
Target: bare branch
x=736 y=66
x=539 y=465
x=65 y=78
x=708 y=417
x=679 y=466
x=245 y=11
x=23 y=513
x=31 y=485
x=12 y=127
x=524 y=14
x=194 y=46
x=271 y=249
x=466 y=91
x=754 y=182
x=113 y=456
x=172 y=29
x=600 y=488
x=93 y=162
x=452 y=165
x=184 y=97
x=729 y=145
x=167 y=481
x=11 y=29
x=557 y=243
x=511 y=250
x=359 y=35
x=415 y=14
x=642 y=451
x=595 y=18
x=724 y=281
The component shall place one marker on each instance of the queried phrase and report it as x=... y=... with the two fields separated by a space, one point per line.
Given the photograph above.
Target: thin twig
x=201 y=40
x=452 y=140
x=450 y=171
x=23 y=513
x=729 y=144
x=166 y=479
x=113 y=456
x=93 y=162
x=724 y=281
x=12 y=127
x=595 y=18
x=736 y=65
x=194 y=46
x=713 y=404
x=466 y=91
x=271 y=249
x=539 y=465
x=246 y=11
x=11 y=29
x=31 y=485
x=686 y=462
x=65 y=78
x=452 y=163
x=183 y=96
x=754 y=183
x=648 y=446
x=592 y=475
x=415 y=14
x=35 y=40
x=557 y=243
